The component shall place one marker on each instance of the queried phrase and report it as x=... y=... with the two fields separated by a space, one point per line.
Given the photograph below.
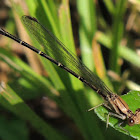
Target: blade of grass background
x=51 y=16
x=9 y=99
x=65 y=23
x=41 y=7
x=31 y=4
x=110 y=6
x=124 y=52
x=132 y=85
x=117 y=32
x=86 y=10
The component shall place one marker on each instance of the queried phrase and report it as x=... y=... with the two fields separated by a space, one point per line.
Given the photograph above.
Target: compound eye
x=131 y=122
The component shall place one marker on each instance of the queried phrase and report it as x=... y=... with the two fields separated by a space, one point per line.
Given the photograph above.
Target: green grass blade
x=124 y=52
x=110 y=6
x=117 y=35
x=87 y=29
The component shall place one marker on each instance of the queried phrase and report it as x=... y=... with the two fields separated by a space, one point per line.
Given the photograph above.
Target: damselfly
x=60 y=55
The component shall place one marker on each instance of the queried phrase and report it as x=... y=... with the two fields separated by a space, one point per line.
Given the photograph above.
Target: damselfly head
x=135 y=119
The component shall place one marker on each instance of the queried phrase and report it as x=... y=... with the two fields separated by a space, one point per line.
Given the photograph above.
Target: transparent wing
x=58 y=51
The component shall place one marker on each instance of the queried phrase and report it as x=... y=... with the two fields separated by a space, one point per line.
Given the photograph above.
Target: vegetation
x=103 y=37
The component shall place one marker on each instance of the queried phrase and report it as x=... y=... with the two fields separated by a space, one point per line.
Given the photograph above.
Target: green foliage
x=67 y=91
